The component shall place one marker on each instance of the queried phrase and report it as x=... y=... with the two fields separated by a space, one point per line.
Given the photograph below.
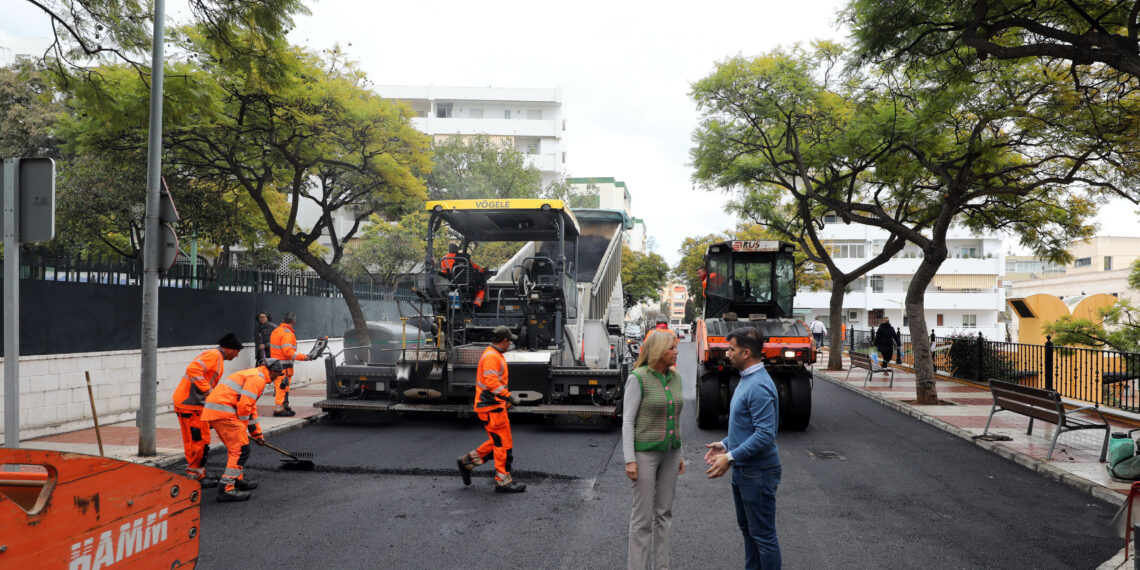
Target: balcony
x=543 y=162
x=464 y=126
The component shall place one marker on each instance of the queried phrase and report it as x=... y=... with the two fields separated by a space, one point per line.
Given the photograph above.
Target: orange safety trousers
x=235 y=435
x=281 y=390
x=498 y=445
x=195 y=440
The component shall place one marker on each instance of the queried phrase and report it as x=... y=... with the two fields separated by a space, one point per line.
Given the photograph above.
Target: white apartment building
x=528 y=119
x=19 y=48
x=613 y=195
x=964 y=297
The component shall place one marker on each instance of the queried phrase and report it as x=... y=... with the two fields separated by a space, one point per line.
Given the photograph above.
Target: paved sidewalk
x=1076 y=459
x=121 y=440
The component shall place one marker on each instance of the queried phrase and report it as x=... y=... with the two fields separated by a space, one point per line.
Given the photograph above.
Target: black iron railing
x=45 y=266
x=1097 y=376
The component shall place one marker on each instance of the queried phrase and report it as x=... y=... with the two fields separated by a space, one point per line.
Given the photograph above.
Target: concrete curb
x=1037 y=465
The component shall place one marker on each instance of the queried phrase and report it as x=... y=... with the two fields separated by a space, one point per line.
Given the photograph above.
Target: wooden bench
x=1044 y=405
x=860 y=360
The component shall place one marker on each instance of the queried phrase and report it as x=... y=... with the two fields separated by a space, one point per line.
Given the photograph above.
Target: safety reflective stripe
x=498 y=390
x=196 y=470
x=200 y=362
x=244 y=418
x=193 y=378
x=248 y=394
x=495 y=372
x=254 y=424
x=231 y=473
x=480 y=384
x=221 y=407
x=231 y=383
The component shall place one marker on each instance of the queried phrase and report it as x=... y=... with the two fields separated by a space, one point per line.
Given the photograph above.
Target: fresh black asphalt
x=863 y=487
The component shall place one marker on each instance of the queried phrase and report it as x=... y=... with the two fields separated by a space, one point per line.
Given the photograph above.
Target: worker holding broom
x=231 y=409
x=190 y=396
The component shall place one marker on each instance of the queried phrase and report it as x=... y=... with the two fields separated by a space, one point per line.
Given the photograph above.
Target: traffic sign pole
x=11 y=303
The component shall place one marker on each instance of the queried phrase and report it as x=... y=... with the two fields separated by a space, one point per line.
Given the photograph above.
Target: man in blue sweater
x=750 y=450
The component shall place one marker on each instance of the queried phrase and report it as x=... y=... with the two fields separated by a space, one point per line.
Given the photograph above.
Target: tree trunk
x=926 y=392
x=835 y=316
x=359 y=323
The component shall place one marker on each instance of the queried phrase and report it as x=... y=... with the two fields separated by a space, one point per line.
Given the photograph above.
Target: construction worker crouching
x=491 y=398
x=283 y=347
x=231 y=409
x=189 y=398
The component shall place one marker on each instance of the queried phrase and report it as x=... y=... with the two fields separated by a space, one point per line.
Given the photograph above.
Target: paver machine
x=560 y=293
x=752 y=284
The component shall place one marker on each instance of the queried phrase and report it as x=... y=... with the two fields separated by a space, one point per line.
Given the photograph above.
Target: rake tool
x=294 y=461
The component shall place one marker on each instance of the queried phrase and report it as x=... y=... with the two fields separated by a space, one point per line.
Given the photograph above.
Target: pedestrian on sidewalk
x=189 y=398
x=886 y=341
x=491 y=399
x=750 y=450
x=231 y=409
x=818 y=329
x=262 y=332
x=283 y=347
x=651 y=444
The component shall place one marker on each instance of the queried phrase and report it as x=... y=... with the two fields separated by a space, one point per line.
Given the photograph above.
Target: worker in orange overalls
x=478 y=275
x=491 y=397
x=283 y=347
x=703 y=275
x=231 y=409
x=200 y=378
x=662 y=323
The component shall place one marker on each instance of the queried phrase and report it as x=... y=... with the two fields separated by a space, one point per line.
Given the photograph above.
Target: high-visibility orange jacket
x=448 y=262
x=653 y=330
x=283 y=345
x=491 y=381
x=236 y=397
x=201 y=377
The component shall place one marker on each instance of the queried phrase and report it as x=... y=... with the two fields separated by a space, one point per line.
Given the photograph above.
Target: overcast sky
x=624 y=69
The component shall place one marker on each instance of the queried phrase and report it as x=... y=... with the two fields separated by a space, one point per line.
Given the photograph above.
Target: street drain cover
x=825 y=454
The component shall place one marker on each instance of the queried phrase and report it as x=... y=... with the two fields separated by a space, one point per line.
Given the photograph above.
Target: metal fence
x=43 y=265
x=1096 y=376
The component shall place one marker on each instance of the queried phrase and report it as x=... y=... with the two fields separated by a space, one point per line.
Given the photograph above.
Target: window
x=830 y=219
x=939 y=320
x=443 y=110
x=475 y=113
x=506 y=113
x=680 y=305
x=678 y=296
x=906 y=320
x=532 y=148
x=534 y=114
x=970 y=321
x=1082 y=262
x=848 y=250
x=968 y=252
x=1108 y=263
x=876 y=283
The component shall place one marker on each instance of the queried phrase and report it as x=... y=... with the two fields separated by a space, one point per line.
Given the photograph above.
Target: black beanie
x=230 y=341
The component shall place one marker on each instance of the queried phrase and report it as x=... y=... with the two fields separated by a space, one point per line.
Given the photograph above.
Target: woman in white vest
x=651 y=443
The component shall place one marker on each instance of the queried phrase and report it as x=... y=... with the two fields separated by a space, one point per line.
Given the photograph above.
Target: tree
x=289 y=124
x=28 y=111
x=386 y=251
x=991 y=148
x=1118 y=329
x=643 y=275
x=1079 y=32
x=778 y=127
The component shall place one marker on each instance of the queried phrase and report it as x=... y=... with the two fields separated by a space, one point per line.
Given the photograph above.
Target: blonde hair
x=655 y=347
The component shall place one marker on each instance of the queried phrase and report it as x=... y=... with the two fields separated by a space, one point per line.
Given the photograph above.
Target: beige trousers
x=652 y=509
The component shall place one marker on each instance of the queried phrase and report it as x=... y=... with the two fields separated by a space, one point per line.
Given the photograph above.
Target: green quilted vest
x=657 y=426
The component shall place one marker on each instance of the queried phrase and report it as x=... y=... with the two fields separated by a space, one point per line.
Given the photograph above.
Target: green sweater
x=657 y=426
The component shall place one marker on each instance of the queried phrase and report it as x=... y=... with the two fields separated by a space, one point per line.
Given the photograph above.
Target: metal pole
x=194 y=261
x=149 y=377
x=11 y=305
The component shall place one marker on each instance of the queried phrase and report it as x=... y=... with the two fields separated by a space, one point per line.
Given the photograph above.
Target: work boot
x=208 y=482
x=245 y=485
x=512 y=487
x=233 y=496
x=464 y=470
x=284 y=413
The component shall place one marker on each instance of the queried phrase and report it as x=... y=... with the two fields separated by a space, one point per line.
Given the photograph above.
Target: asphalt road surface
x=863 y=487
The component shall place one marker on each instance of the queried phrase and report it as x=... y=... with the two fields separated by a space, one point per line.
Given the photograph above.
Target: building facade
x=964 y=297
x=14 y=49
x=612 y=194
x=673 y=297
x=529 y=120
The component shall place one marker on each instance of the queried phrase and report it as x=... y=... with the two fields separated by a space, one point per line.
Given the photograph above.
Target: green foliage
x=28 y=112
x=385 y=250
x=1118 y=329
x=643 y=274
